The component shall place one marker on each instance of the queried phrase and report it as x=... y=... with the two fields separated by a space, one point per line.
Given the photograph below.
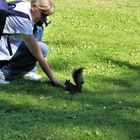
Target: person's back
x=15 y=25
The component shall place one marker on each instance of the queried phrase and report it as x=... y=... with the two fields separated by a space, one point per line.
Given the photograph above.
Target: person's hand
x=57 y=83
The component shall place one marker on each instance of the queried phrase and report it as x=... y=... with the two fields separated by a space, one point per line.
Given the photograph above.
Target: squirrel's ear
x=67 y=80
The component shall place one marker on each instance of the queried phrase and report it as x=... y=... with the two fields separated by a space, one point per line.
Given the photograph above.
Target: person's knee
x=44 y=48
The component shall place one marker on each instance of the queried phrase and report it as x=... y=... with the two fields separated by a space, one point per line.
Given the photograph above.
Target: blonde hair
x=45 y=5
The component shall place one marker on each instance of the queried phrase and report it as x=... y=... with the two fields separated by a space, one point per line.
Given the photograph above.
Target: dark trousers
x=22 y=62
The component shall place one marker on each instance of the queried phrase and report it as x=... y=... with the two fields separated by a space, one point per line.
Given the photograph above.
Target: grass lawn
x=104 y=37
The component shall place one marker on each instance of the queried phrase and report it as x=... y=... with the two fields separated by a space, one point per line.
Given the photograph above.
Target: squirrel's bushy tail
x=78 y=78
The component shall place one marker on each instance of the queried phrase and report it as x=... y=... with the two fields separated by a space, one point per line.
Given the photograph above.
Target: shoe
x=2 y=79
x=32 y=76
x=4 y=82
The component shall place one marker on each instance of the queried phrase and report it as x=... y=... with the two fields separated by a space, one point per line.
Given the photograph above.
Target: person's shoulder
x=23 y=7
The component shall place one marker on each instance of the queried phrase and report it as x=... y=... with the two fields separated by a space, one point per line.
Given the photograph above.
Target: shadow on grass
x=124 y=63
x=28 y=87
x=127 y=80
x=29 y=120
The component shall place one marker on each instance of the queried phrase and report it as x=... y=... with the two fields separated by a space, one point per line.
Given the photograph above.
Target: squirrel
x=77 y=76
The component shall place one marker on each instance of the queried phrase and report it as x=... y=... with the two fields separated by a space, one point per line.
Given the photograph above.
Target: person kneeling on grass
x=24 y=57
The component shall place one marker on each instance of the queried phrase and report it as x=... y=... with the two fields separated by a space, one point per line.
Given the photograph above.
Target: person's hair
x=45 y=5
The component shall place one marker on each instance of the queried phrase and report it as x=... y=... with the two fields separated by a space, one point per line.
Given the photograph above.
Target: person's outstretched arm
x=36 y=52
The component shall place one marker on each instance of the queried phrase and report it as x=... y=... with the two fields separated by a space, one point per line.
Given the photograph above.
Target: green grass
x=103 y=36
